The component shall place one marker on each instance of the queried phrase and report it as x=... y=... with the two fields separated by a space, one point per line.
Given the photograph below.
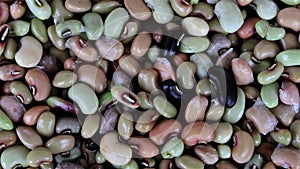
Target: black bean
x=172 y=92
x=225 y=88
x=170 y=43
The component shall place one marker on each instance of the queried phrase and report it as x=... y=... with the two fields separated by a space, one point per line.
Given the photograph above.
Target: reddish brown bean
x=269 y=165
x=32 y=115
x=197 y=132
x=143 y=147
x=289 y=94
x=284 y=113
x=243 y=147
x=248 y=28
x=242 y=71
x=70 y=64
x=289 y=18
x=11 y=72
x=195 y=110
x=207 y=153
x=286 y=157
x=7 y=138
x=4 y=12
x=17 y=9
x=109 y=48
x=137 y=9
x=179 y=58
x=244 y=2
x=164 y=69
x=163 y=130
x=140 y=44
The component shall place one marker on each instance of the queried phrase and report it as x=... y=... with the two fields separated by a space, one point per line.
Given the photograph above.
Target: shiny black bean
x=170 y=43
x=224 y=85
x=172 y=92
x=91 y=145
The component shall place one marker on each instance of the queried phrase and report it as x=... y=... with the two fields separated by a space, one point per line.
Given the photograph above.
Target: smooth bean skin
x=225 y=10
x=46 y=124
x=38 y=29
x=187 y=161
x=130 y=65
x=30 y=53
x=261 y=7
x=191 y=44
x=288 y=57
x=93 y=31
x=43 y=12
x=282 y=136
x=67 y=125
x=143 y=147
x=7 y=138
x=244 y=147
x=207 y=153
x=140 y=44
x=185 y=75
x=20 y=90
x=60 y=143
x=57 y=41
x=64 y=79
x=109 y=48
x=269 y=76
x=5 y=122
x=59 y=12
x=115 y=152
x=248 y=28
x=270 y=91
x=13 y=156
x=31 y=116
x=173 y=148
x=164 y=107
x=242 y=71
x=78 y=6
x=284 y=113
x=4 y=12
x=105 y=7
x=146 y=121
x=29 y=137
x=284 y=19
x=197 y=132
x=224 y=151
x=223 y=132
x=40 y=83
x=11 y=72
x=162 y=131
x=137 y=9
x=85 y=97
x=289 y=94
x=12 y=107
x=90 y=125
x=286 y=157
x=163 y=12
x=38 y=155
x=125 y=125
x=125 y=96
x=265 y=49
x=195 y=26
x=147 y=79
x=196 y=108
x=115 y=22
x=294 y=129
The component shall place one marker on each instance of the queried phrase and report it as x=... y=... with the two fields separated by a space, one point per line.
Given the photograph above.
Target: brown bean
x=226 y=165
x=289 y=41
x=242 y=71
x=195 y=110
x=70 y=64
x=4 y=13
x=289 y=18
x=243 y=148
x=248 y=28
x=146 y=121
x=289 y=94
x=140 y=44
x=163 y=130
x=82 y=49
x=269 y=165
x=32 y=115
x=92 y=76
x=39 y=83
x=164 y=69
x=7 y=138
x=244 y=2
x=109 y=48
x=262 y=118
x=137 y=9
x=207 y=153
x=265 y=49
x=179 y=58
x=17 y=9
x=143 y=147
x=148 y=80
x=12 y=107
x=130 y=65
x=29 y=137
x=286 y=157
x=11 y=72
x=265 y=149
x=197 y=132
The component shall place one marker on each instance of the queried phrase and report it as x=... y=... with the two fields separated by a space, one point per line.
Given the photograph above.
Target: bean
x=203 y=9
x=243 y=148
x=225 y=10
x=59 y=12
x=286 y=157
x=248 y=28
x=226 y=165
x=68 y=28
x=21 y=91
x=185 y=75
x=224 y=151
x=38 y=156
x=242 y=71
x=281 y=136
x=288 y=57
x=143 y=147
x=90 y=125
x=109 y=121
x=40 y=9
x=95 y=30
x=19 y=27
x=294 y=129
x=4 y=13
x=7 y=138
x=137 y=9
x=125 y=125
x=12 y=107
x=55 y=39
x=130 y=65
x=61 y=104
x=193 y=44
x=46 y=124
x=109 y=48
x=196 y=108
x=265 y=49
x=146 y=121
x=266 y=9
x=256 y=161
x=197 y=132
x=164 y=107
x=164 y=69
x=10 y=49
x=14 y=156
x=207 y=153
x=64 y=79
x=11 y=72
x=39 y=83
x=270 y=75
x=4 y=33
x=270 y=91
x=195 y=26
x=114 y=151
x=147 y=79
x=105 y=7
x=203 y=87
x=72 y=155
x=78 y=6
x=38 y=29
x=66 y=165
x=60 y=143
x=262 y=118
x=115 y=22
x=31 y=116
x=92 y=76
x=130 y=30
x=162 y=10
x=163 y=130
x=30 y=53
x=140 y=44
x=289 y=94
x=215 y=111
x=284 y=19
x=269 y=165
x=223 y=132
x=29 y=137
x=82 y=49
x=289 y=41
x=5 y=122
x=187 y=161
x=284 y=113
x=67 y=125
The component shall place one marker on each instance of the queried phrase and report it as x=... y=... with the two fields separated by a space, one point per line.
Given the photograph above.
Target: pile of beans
x=128 y=84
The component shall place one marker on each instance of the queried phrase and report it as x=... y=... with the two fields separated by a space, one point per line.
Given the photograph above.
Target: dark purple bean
x=172 y=91
x=109 y=121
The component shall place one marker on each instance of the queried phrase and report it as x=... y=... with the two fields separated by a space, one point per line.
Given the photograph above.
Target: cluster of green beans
x=128 y=84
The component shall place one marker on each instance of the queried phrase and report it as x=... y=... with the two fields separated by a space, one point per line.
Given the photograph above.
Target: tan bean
x=262 y=118
x=292 y=74
x=248 y=28
x=147 y=79
x=130 y=65
x=140 y=44
x=109 y=48
x=164 y=69
x=289 y=94
x=195 y=110
x=163 y=130
x=137 y=9
x=242 y=71
x=60 y=143
x=146 y=121
x=82 y=49
x=284 y=18
x=243 y=148
x=286 y=157
x=143 y=147
x=39 y=83
x=58 y=42
x=92 y=76
x=185 y=75
x=197 y=132
x=29 y=137
x=78 y=6
x=90 y=125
